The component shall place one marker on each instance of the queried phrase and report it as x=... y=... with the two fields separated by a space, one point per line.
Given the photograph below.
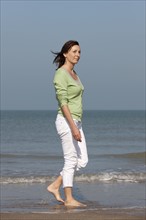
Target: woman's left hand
x=76 y=133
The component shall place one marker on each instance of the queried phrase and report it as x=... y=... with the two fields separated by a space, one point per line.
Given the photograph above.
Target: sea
x=31 y=158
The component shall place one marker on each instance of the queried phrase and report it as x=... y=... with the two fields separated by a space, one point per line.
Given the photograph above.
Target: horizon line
x=83 y=110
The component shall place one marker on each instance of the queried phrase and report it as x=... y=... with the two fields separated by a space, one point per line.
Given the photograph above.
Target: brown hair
x=60 y=59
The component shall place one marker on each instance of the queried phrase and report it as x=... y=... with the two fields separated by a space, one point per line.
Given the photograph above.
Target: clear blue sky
x=112 y=39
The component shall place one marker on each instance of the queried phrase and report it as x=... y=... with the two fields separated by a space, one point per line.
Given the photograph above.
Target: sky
x=112 y=64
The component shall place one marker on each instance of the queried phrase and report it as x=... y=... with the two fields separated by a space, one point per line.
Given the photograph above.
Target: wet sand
x=83 y=215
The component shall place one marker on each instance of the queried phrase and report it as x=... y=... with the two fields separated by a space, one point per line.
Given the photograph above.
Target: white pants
x=75 y=153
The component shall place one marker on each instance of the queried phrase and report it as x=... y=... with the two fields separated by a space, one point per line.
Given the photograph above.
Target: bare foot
x=74 y=203
x=55 y=191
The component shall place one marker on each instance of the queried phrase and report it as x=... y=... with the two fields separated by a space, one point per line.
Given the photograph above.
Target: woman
x=69 y=90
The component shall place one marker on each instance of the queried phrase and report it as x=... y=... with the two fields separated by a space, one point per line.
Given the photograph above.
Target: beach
x=84 y=215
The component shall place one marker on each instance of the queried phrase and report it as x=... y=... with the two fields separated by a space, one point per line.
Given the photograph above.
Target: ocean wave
x=30 y=156
x=106 y=177
x=113 y=177
x=137 y=155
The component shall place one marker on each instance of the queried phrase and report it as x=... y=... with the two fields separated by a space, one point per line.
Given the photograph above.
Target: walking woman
x=69 y=90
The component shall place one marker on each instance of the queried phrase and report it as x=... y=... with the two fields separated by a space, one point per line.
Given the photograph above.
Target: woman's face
x=73 y=55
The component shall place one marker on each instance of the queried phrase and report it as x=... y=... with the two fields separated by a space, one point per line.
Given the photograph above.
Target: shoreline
x=119 y=214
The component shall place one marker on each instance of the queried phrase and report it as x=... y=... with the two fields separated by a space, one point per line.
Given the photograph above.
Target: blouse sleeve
x=60 y=83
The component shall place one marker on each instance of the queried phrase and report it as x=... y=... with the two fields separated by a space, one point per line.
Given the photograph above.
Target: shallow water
x=35 y=197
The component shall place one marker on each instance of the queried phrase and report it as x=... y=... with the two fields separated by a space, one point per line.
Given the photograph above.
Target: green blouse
x=68 y=92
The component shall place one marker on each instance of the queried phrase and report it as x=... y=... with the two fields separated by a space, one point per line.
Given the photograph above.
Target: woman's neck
x=70 y=71
x=68 y=67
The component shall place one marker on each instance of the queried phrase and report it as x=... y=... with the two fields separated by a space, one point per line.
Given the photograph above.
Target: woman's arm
x=61 y=83
x=75 y=131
